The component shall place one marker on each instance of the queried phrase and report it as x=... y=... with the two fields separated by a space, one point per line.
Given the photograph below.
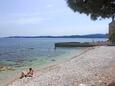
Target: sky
x=45 y=17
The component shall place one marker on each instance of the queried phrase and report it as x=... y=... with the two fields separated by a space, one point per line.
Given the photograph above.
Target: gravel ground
x=95 y=67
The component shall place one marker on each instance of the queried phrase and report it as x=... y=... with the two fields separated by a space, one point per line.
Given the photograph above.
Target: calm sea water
x=22 y=53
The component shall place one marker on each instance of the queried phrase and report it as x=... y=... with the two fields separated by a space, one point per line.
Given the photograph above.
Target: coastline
x=93 y=67
x=45 y=67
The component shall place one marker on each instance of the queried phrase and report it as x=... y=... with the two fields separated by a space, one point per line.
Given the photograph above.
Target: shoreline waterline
x=20 y=54
x=47 y=67
x=95 y=67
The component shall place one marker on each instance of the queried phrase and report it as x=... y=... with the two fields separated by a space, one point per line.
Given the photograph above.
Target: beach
x=94 y=67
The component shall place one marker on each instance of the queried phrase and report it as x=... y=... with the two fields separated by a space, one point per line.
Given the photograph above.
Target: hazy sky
x=45 y=17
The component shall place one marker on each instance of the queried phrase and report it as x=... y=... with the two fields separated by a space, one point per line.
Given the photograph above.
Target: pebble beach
x=93 y=67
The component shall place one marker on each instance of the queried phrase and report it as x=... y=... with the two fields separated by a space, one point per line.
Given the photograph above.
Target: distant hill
x=71 y=36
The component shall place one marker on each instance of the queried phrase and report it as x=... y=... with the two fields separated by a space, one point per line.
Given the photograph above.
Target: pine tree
x=94 y=8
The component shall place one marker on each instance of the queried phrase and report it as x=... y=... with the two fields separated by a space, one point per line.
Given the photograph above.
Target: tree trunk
x=112 y=32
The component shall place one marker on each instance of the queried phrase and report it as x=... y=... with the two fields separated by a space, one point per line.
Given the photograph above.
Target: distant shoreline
x=70 y=36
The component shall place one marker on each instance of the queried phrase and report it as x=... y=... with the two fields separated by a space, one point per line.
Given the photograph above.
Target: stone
x=53 y=60
x=5 y=68
x=82 y=85
x=112 y=31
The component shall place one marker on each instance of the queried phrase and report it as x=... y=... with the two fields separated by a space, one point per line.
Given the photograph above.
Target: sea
x=18 y=54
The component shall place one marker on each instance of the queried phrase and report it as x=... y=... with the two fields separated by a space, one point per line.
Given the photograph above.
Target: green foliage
x=95 y=8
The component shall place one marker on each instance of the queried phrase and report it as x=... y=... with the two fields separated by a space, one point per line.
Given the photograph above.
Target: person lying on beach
x=28 y=74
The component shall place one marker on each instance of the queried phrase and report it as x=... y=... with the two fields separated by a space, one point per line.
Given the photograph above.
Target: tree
x=112 y=37
x=94 y=8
